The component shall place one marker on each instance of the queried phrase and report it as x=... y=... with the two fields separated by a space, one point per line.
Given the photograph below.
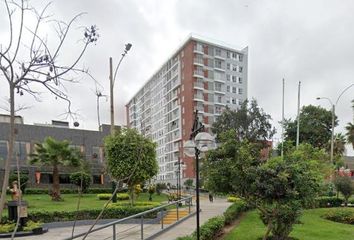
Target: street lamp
x=112 y=79
x=178 y=167
x=333 y=116
x=199 y=142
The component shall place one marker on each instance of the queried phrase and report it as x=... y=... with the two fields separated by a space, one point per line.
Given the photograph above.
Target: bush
x=211 y=228
x=344 y=215
x=107 y=196
x=7 y=227
x=160 y=187
x=30 y=225
x=68 y=191
x=324 y=202
x=75 y=178
x=233 y=199
x=345 y=186
x=114 y=210
x=234 y=211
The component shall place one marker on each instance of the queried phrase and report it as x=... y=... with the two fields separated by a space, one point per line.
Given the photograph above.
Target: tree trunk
x=56 y=185
x=11 y=149
x=269 y=229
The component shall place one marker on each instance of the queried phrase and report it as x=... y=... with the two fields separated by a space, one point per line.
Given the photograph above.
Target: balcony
x=198 y=73
x=199 y=97
x=219 y=56
x=220 y=68
x=198 y=62
x=219 y=90
x=198 y=49
x=198 y=85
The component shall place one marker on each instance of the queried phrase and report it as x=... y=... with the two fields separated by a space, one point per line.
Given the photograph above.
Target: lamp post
x=112 y=79
x=199 y=142
x=333 y=116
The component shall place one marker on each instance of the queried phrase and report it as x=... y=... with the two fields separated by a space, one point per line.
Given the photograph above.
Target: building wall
x=201 y=75
x=90 y=144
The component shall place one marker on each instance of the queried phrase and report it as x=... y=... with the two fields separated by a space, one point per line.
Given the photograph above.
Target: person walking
x=211 y=198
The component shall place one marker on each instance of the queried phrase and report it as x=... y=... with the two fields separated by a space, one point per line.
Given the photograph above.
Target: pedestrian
x=211 y=198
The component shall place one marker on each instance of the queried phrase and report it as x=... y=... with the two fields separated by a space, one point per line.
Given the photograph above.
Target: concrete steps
x=171 y=215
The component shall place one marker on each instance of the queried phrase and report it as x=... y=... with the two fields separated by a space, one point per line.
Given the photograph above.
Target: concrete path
x=132 y=231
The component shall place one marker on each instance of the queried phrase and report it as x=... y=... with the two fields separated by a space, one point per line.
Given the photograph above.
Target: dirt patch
x=227 y=229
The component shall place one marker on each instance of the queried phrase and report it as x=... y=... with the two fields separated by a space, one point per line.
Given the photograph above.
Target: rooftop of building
x=198 y=38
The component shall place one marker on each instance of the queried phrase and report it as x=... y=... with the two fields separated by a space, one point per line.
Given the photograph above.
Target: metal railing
x=161 y=211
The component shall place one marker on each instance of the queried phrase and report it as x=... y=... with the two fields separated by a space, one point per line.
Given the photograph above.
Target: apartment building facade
x=201 y=75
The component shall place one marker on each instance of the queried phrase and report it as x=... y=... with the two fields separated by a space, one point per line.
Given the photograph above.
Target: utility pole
x=298 y=117
x=111 y=93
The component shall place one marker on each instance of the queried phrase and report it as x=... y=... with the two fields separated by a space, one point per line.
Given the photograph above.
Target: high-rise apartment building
x=201 y=75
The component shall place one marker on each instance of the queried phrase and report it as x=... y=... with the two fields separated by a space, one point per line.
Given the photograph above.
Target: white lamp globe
x=189 y=148
x=204 y=141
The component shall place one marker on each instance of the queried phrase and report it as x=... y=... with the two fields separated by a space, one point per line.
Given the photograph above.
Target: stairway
x=171 y=215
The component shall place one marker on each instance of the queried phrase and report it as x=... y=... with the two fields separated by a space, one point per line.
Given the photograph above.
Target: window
x=234 y=89
x=234 y=101
x=228 y=88
x=20 y=150
x=228 y=66
x=3 y=150
x=240 y=69
x=218 y=64
x=227 y=77
x=234 y=79
x=219 y=99
x=234 y=55
x=97 y=179
x=234 y=68
x=228 y=54
x=240 y=80
x=240 y=91
x=240 y=58
x=217 y=52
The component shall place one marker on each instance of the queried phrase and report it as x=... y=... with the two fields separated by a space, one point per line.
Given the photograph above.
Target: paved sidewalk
x=188 y=226
x=132 y=231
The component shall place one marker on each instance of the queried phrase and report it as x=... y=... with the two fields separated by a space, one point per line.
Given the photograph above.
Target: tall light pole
x=333 y=116
x=112 y=79
x=199 y=142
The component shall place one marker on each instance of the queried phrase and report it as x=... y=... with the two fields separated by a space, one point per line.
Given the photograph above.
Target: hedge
x=325 y=202
x=114 y=210
x=107 y=196
x=67 y=190
x=344 y=215
x=213 y=227
x=234 y=211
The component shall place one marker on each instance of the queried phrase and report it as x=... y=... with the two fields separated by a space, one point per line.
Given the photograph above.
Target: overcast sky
x=307 y=41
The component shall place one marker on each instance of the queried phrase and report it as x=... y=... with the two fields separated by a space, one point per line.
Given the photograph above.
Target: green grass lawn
x=39 y=202
x=312 y=227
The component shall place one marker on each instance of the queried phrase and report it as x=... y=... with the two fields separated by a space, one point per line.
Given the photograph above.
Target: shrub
x=114 y=210
x=7 y=227
x=30 y=225
x=75 y=178
x=324 y=202
x=68 y=191
x=234 y=211
x=344 y=215
x=345 y=186
x=233 y=199
x=107 y=196
x=211 y=228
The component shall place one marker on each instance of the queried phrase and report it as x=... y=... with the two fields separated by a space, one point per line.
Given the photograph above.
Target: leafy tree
x=55 y=153
x=160 y=187
x=249 y=122
x=31 y=59
x=131 y=158
x=345 y=186
x=151 y=191
x=82 y=180
x=279 y=188
x=315 y=126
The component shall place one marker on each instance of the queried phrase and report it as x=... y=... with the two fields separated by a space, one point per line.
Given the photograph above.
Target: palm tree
x=350 y=133
x=338 y=145
x=55 y=153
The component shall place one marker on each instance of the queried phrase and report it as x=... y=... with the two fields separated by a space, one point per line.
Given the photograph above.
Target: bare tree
x=27 y=63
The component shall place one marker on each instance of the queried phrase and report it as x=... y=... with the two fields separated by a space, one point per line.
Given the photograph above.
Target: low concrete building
x=90 y=143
